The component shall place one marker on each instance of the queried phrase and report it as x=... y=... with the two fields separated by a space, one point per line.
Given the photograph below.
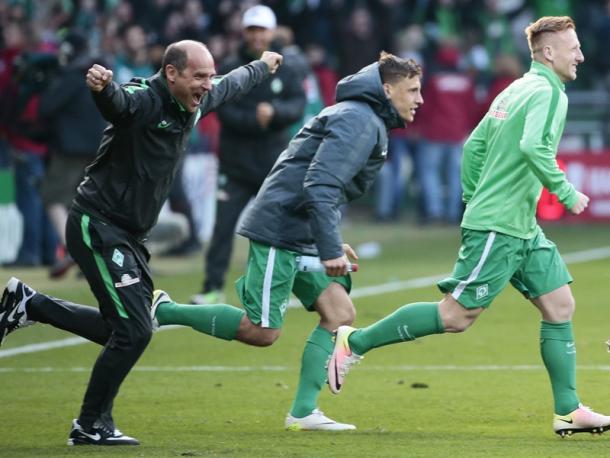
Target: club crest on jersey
x=277 y=86
x=482 y=291
x=118 y=257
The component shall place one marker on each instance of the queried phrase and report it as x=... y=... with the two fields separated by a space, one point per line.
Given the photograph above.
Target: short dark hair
x=174 y=55
x=393 y=68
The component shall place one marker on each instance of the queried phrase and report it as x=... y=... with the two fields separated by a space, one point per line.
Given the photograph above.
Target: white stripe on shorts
x=267 y=288
x=475 y=273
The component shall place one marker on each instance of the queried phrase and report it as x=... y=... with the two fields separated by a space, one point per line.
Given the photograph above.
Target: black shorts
x=116 y=267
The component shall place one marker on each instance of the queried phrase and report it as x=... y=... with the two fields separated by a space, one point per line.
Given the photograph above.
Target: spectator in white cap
x=259 y=16
x=258 y=26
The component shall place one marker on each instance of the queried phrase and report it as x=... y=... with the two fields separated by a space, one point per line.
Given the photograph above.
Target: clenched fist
x=581 y=203
x=98 y=78
x=272 y=59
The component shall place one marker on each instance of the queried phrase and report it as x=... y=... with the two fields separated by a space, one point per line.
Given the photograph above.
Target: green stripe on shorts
x=103 y=269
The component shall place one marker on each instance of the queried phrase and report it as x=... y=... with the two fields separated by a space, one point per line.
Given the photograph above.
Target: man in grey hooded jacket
x=333 y=160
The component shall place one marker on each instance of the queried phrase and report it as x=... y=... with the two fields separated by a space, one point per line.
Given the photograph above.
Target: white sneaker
x=581 y=420
x=13 y=314
x=159 y=297
x=316 y=421
x=341 y=360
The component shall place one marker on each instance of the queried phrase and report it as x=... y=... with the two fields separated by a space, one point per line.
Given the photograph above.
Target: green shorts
x=487 y=261
x=271 y=275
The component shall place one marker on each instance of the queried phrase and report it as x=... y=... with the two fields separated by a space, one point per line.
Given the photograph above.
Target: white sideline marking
x=594 y=254
x=570 y=258
x=430 y=368
x=69 y=342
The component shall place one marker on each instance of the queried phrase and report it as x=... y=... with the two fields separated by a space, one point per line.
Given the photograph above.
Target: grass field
x=487 y=393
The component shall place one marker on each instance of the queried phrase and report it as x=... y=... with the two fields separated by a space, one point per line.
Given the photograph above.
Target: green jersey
x=510 y=156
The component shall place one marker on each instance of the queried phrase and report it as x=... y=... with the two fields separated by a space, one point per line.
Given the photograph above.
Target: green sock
x=559 y=356
x=317 y=350
x=407 y=323
x=219 y=320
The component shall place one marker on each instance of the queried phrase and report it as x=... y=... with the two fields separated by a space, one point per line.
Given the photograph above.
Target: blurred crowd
x=470 y=50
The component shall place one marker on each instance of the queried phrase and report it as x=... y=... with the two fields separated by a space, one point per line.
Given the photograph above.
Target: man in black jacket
x=333 y=160
x=254 y=131
x=116 y=205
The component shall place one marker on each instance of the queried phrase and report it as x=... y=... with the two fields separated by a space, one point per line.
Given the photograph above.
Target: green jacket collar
x=172 y=98
x=540 y=69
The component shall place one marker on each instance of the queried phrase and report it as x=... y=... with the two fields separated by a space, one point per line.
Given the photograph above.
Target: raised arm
x=116 y=104
x=241 y=80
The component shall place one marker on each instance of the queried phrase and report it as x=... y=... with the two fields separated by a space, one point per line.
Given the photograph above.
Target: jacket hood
x=365 y=86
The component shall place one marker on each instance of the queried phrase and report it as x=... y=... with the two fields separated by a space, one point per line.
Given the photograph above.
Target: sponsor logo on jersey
x=126 y=280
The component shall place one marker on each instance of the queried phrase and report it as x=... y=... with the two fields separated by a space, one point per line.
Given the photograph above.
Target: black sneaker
x=13 y=314
x=98 y=435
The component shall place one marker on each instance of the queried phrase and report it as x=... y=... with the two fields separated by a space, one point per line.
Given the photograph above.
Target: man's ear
x=387 y=88
x=547 y=52
x=171 y=73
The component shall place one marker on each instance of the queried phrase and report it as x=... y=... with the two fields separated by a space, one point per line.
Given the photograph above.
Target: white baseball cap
x=259 y=16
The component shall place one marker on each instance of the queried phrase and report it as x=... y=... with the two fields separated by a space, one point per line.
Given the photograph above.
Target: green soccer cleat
x=581 y=420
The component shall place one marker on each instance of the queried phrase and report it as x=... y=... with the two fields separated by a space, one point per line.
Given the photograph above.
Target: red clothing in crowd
x=449 y=110
x=327 y=80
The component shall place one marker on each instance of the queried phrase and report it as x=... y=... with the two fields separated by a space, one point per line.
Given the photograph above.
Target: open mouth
x=196 y=100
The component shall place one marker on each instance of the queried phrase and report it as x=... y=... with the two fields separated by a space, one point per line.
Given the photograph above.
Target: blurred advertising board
x=589 y=173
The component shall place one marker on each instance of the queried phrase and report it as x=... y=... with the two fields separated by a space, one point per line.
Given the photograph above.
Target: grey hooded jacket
x=334 y=159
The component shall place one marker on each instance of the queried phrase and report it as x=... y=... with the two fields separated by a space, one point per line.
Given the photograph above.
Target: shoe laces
x=100 y=425
x=583 y=407
x=318 y=413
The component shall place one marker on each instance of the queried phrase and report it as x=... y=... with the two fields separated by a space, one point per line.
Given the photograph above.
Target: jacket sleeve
x=473 y=158
x=124 y=104
x=341 y=155
x=235 y=84
x=544 y=121
x=289 y=108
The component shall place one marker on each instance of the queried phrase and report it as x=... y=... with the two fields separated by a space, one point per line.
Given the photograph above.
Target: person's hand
x=349 y=251
x=98 y=78
x=264 y=114
x=338 y=266
x=272 y=59
x=581 y=203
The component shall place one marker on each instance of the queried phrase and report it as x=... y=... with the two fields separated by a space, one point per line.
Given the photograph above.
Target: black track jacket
x=130 y=178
